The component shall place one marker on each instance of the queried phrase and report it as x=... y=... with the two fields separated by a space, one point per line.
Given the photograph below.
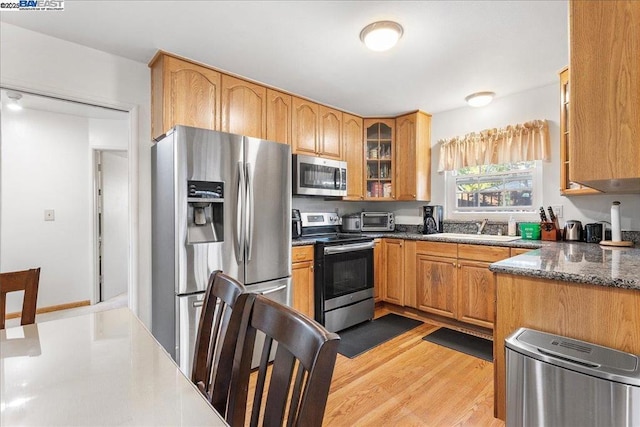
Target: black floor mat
x=365 y=336
x=465 y=343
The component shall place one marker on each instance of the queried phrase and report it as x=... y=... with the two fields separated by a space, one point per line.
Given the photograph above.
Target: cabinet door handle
x=454 y=264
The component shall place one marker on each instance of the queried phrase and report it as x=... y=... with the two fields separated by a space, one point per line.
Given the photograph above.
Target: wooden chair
x=299 y=380
x=219 y=301
x=27 y=281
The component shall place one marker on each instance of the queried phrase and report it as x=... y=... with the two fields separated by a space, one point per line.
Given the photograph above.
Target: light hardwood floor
x=410 y=382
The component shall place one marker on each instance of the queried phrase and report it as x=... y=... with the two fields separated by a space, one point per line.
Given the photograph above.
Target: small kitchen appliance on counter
x=594 y=232
x=433 y=217
x=351 y=223
x=573 y=231
x=296 y=224
x=377 y=221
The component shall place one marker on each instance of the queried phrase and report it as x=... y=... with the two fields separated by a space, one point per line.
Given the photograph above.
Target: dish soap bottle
x=512 y=226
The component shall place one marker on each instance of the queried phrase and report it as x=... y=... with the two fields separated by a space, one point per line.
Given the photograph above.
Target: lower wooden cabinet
x=378 y=270
x=393 y=279
x=302 y=279
x=476 y=293
x=437 y=285
x=454 y=281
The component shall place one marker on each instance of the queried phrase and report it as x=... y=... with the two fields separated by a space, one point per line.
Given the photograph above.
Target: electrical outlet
x=557 y=210
x=49 y=215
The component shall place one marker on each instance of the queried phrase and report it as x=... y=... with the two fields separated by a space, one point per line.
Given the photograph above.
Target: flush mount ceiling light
x=13 y=103
x=479 y=99
x=381 y=35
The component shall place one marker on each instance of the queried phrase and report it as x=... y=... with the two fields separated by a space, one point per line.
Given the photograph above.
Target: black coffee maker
x=296 y=224
x=432 y=219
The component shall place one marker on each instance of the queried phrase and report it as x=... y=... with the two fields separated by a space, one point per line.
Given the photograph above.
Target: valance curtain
x=514 y=143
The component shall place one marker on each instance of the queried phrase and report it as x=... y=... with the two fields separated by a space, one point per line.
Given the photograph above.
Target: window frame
x=492 y=213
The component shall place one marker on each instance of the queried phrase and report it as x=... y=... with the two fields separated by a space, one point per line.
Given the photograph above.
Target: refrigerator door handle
x=272 y=290
x=239 y=225
x=250 y=211
x=198 y=303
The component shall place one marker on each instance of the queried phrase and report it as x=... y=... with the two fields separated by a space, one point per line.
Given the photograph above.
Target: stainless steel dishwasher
x=558 y=381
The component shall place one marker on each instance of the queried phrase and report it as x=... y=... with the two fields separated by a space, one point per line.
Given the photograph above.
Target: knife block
x=548 y=231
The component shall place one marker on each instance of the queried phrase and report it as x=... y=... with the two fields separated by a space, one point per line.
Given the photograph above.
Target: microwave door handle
x=250 y=211
x=336 y=178
x=239 y=226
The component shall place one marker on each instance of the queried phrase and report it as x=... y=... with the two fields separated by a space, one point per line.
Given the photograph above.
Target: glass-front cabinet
x=567 y=187
x=378 y=153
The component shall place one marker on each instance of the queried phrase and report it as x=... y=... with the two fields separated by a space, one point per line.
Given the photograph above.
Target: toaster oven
x=377 y=221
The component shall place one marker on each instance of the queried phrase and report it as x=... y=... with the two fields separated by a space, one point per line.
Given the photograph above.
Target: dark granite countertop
x=567 y=261
x=302 y=241
x=577 y=262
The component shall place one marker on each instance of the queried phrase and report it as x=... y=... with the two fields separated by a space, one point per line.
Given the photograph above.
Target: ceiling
x=53 y=105
x=312 y=48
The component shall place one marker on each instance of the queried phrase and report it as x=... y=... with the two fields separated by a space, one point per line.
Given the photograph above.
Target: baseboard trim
x=51 y=308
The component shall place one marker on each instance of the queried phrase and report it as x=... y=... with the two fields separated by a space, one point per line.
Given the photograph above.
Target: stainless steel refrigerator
x=219 y=202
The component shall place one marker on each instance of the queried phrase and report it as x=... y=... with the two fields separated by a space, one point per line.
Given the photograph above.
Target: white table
x=103 y=368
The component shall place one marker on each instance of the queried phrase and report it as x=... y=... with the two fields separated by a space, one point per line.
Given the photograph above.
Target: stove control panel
x=320 y=219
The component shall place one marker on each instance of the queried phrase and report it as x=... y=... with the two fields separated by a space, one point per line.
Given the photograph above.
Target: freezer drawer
x=557 y=381
x=188 y=308
x=276 y=290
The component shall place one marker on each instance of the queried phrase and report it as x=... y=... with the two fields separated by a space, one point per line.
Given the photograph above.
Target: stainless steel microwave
x=315 y=176
x=377 y=221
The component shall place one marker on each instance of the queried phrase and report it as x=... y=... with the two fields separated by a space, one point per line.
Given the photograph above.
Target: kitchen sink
x=485 y=237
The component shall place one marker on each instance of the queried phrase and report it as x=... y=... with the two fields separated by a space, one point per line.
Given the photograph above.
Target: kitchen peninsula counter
x=577 y=262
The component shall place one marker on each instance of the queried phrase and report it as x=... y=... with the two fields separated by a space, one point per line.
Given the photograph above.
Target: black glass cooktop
x=342 y=238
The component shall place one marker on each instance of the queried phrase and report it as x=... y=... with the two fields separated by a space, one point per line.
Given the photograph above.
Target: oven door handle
x=330 y=250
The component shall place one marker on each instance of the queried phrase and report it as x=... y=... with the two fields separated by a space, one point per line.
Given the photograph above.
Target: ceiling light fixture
x=479 y=99
x=13 y=104
x=381 y=35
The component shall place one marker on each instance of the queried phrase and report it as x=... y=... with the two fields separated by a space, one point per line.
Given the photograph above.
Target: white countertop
x=104 y=368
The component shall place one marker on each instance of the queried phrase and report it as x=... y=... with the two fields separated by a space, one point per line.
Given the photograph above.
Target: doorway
x=55 y=140
x=112 y=218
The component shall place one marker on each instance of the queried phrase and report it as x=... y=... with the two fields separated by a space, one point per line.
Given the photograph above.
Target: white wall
x=540 y=103
x=45 y=165
x=43 y=64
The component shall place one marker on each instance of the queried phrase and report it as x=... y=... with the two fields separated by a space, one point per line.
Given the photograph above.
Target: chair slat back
x=300 y=376
x=27 y=281
x=219 y=301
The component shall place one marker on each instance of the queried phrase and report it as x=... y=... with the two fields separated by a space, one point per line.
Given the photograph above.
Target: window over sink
x=496 y=190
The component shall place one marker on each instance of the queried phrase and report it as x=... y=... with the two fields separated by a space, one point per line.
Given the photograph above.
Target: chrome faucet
x=481 y=225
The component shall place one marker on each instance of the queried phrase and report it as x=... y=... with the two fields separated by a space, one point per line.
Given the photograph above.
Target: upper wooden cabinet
x=304 y=126
x=316 y=129
x=413 y=157
x=279 y=110
x=244 y=107
x=567 y=187
x=353 y=155
x=378 y=156
x=183 y=93
x=605 y=94
x=330 y=133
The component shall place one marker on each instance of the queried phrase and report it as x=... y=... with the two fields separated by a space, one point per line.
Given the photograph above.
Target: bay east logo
x=32 y=5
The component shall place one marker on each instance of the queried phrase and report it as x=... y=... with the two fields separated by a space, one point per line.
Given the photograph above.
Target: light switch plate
x=557 y=210
x=49 y=215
